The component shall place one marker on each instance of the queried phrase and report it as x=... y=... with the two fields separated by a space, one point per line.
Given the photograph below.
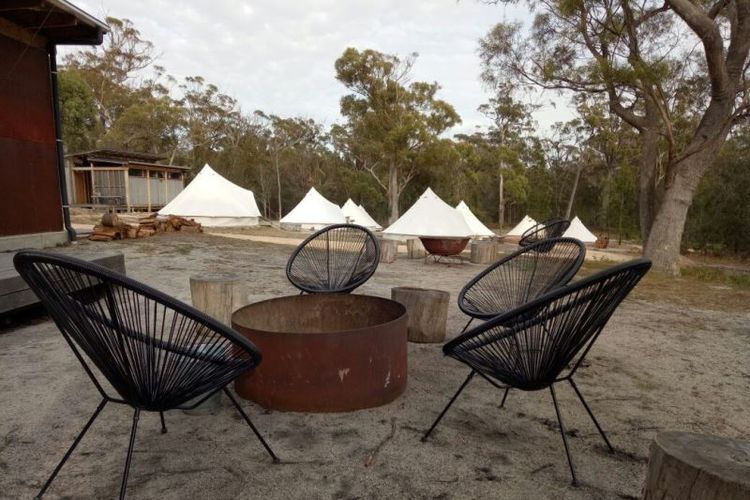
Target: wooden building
x=33 y=198
x=123 y=180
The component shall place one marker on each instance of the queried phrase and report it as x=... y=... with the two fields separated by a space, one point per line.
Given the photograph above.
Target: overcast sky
x=278 y=55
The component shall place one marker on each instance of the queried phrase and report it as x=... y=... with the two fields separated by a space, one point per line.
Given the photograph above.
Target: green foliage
x=719 y=220
x=392 y=126
x=78 y=110
x=150 y=125
x=114 y=96
x=714 y=275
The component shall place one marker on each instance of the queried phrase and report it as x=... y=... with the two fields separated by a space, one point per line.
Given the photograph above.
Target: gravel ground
x=658 y=365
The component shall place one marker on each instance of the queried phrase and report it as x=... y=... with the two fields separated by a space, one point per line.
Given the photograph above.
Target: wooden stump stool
x=427 y=310
x=388 y=250
x=483 y=252
x=216 y=295
x=698 y=467
x=415 y=249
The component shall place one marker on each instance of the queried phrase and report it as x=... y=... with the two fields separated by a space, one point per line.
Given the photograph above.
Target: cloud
x=278 y=55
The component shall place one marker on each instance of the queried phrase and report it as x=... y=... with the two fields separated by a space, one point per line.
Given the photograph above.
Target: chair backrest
x=336 y=259
x=551 y=228
x=155 y=351
x=533 y=345
x=522 y=276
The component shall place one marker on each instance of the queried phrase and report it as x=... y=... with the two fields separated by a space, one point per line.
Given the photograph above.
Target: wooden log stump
x=427 y=310
x=483 y=252
x=415 y=249
x=388 y=250
x=216 y=295
x=110 y=219
x=698 y=467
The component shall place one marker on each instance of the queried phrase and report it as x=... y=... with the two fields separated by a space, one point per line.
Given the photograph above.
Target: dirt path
x=658 y=365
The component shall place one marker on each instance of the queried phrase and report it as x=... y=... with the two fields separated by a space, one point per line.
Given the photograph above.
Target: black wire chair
x=520 y=277
x=544 y=342
x=157 y=353
x=336 y=259
x=552 y=228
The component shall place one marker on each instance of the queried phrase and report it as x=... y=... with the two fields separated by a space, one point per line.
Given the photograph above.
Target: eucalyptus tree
x=283 y=135
x=113 y=69
x=208 y=115
x=511 y=125
x=80 y=119
x=390 y=120
x=674 y=70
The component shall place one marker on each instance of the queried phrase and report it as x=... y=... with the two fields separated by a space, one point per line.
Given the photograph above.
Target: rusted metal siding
x=29 y=190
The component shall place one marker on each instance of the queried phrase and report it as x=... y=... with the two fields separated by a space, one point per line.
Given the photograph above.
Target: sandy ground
x=659 y=365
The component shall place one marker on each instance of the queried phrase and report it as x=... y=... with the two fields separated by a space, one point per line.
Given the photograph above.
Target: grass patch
x=716 y=276
x=698 y=287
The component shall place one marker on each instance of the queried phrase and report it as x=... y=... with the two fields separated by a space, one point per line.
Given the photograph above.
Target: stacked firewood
x=113 y=227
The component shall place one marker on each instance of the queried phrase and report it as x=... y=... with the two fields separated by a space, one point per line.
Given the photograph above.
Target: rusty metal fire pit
x=324 y=352
x=444 y=246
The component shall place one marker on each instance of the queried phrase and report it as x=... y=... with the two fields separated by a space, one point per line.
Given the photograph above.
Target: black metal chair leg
x=505 y=396
x=467 y=325
x=72 y=447
x=129 y=456
x=565 y=439
x=437 y=420
x=247 y=419
x=163 y=424
x=588 y=410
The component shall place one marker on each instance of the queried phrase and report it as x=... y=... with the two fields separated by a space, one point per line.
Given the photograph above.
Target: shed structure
x=124 y=180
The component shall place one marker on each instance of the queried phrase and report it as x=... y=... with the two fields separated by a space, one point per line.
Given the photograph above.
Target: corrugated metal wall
x=162 y=191
x=109 y=187
x=30 y=201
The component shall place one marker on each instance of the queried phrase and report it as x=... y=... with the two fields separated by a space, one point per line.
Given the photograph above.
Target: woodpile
x=114 y=227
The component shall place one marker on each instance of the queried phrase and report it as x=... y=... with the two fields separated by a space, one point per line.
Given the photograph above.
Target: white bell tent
x=356 y=214
x=580 y=232
x=313 y=212
x=214 y=201
x=430 y=217
x=368 y=218
x=518 y=230
x=478 y=229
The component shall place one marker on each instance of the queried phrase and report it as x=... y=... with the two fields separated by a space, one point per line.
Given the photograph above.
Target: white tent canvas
x=358 y=215
x=214 y=201
x=314 y=212
x=477 y=227
x=369 y=220
x=431 y=217
x=522 y=226
x=580 y=232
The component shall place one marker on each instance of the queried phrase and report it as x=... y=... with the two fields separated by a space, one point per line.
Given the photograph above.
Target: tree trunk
x=427 y=310
x=572 y=198
x=663 y=243
x=483 y=252
x=647 y=181
x=393 y=193
x=278 y=183
x=606 y=198
x=501 y=201
x=698 y=467
x=415 y=249
x=388 y=250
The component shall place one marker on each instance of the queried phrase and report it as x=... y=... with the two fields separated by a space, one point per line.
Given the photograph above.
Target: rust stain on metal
x=325 y=353
x=31 y=200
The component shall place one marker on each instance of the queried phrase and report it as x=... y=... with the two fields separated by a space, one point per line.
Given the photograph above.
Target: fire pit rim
x=356 y=330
